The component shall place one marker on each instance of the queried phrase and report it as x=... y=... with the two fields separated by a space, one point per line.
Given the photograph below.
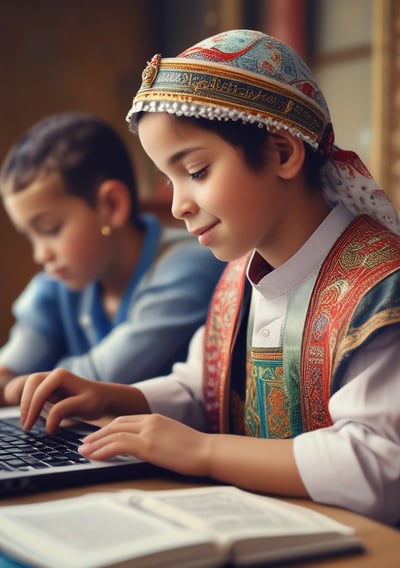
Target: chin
x=226 y=256
x=74 y=286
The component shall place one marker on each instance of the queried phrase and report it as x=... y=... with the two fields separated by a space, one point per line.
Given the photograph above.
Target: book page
x=229 y=512
x=254 y=529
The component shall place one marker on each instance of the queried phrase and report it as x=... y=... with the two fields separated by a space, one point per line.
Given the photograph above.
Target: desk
x=382 y=543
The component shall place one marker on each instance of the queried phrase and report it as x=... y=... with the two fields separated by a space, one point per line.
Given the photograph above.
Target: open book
x=197 y=527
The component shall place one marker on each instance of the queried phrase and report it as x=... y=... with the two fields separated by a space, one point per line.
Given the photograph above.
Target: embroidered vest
x=356 y=294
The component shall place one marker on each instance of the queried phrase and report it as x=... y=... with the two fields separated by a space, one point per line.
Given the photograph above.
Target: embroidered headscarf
x=252 y=77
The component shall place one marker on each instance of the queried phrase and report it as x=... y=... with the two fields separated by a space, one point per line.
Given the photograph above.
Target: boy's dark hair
x=251 y=141
x=85 y=151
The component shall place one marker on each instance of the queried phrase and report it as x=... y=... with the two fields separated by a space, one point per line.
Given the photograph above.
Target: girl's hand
x=152 y=438
x=68 y=394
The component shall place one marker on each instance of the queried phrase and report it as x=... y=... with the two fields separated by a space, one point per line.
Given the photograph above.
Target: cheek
x=84 y=243
x=224 y=194
x=232 y=197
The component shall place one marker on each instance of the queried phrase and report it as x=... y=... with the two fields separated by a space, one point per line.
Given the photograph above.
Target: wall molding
x=386 y=97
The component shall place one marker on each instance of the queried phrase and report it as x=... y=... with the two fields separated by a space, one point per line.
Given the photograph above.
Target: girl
x=292 y=385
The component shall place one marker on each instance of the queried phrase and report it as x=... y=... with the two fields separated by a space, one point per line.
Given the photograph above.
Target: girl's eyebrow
x=173 y=160
x=181 y=154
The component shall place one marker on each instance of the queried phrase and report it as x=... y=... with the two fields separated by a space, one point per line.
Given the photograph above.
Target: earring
x=106 y=230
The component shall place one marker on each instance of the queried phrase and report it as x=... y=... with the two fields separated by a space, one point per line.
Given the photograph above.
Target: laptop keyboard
x=23 y=451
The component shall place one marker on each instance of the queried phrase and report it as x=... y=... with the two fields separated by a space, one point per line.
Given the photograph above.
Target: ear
x=114 y=203
x=291 y=154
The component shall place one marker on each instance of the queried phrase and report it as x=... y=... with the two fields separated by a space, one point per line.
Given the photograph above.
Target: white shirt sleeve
x=179 y=395
x=355 y=463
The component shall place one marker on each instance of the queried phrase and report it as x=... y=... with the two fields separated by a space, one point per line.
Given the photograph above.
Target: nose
x=183 y=205
x=42 y=253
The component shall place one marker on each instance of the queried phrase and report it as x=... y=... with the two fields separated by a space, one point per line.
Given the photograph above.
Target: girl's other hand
x=153 y=438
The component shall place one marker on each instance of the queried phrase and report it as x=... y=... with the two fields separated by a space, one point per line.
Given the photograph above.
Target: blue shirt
x=7 y=562
x=164 y=303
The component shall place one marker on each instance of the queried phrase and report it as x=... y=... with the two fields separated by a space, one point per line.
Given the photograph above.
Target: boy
x=119 y=295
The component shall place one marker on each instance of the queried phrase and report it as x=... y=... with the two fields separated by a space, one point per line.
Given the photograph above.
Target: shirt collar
x=283 y=280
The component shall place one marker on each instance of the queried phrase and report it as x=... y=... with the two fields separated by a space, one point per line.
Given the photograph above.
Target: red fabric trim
x=219 y=338
x=353 y=266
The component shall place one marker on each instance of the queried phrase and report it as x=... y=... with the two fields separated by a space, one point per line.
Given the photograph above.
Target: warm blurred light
x=287 y=22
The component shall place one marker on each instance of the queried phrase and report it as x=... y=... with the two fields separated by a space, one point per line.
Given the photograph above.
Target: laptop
x=34 y=461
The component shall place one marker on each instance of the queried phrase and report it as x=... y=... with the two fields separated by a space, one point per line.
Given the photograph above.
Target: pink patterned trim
x=219 y=337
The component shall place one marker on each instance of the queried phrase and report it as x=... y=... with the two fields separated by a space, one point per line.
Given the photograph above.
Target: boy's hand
x=13 y=390
x=5 y=377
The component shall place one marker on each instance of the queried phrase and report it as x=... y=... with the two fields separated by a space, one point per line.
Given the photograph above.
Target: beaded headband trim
x=192 y=88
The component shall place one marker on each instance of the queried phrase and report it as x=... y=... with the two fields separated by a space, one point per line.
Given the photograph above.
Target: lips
x=59 y=274
x=205 y=234
x=201 y=231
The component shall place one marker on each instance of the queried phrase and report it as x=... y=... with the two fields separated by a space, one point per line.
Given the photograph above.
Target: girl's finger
x=120 y=424
x=109 y=447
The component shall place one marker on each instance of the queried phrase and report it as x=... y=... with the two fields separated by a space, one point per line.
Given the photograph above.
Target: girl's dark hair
x=85 y=151
x=251 y=141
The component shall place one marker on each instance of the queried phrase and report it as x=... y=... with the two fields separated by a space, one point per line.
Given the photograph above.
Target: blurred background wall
x=88 y=55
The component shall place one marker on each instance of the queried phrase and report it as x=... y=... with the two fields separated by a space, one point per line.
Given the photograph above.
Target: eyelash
x=195 y=176
x=52 y=231
x=199 y=174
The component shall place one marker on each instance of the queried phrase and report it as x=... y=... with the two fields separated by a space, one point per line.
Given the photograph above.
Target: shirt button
x=265 y=332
